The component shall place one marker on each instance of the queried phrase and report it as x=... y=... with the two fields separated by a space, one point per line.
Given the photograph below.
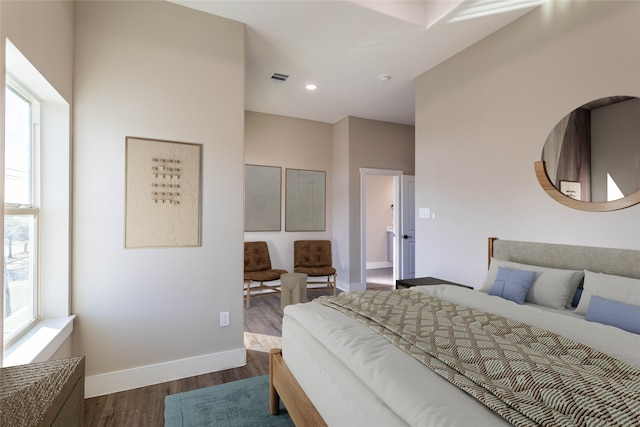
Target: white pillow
x=616 y=288
x=552 y=287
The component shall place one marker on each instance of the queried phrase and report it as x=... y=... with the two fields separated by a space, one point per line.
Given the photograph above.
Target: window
x=21 y=210
x=35 y=295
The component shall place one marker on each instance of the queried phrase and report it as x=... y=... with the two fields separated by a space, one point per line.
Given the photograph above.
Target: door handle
x=406 y=237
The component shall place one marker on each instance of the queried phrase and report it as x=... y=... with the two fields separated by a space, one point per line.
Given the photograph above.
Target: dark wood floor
x=144 y=406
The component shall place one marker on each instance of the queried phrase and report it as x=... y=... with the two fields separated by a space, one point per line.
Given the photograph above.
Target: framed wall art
x=305 y=200
x=162 y=193
x=262 y=198
x=572 y=189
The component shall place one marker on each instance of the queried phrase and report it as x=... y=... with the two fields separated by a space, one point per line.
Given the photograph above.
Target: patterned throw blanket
x=527 y=375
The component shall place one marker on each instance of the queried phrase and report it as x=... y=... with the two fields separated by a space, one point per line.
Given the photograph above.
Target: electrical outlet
x=224 y=318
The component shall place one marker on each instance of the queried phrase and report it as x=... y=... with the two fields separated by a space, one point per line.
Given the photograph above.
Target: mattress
x=355 y=377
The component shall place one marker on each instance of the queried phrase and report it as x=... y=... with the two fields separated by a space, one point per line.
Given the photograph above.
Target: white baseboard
x=379 y=264
x=112 y=382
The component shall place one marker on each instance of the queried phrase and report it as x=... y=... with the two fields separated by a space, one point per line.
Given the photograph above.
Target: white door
x=408 y=227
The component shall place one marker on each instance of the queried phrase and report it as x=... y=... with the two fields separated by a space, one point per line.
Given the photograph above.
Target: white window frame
x=49 y=337
x=14 y=209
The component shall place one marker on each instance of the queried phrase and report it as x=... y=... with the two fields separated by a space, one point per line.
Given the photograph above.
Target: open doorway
x=380 y=204
x=379 y=226
x=402 y=226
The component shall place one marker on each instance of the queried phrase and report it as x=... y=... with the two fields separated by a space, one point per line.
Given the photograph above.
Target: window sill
x=40 y=343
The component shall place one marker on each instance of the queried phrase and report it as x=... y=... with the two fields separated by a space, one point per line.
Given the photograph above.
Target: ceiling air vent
x=279 y=77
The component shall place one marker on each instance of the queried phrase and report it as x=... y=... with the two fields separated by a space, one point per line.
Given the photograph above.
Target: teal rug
x=238 y=403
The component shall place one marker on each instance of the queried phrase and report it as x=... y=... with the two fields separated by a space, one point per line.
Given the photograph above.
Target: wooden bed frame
x=282 y=384
x=623 y=262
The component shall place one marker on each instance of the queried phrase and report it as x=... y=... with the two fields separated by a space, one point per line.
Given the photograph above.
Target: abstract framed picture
x=305 y=200
x=262 y=198
x=162 y=193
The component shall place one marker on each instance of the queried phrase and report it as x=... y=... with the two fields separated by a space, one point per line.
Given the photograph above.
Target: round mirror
x=591 y=159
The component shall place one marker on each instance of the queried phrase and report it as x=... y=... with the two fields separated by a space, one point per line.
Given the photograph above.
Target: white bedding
x=356 y=378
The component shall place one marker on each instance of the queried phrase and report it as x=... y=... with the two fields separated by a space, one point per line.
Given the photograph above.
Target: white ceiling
x=344 y=46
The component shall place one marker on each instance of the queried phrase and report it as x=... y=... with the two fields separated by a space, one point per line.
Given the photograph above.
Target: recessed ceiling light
x=311 y=86
x=384 y=78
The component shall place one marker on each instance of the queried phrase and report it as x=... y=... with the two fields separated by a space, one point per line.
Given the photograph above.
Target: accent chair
x=257 y=269
x=313 y=257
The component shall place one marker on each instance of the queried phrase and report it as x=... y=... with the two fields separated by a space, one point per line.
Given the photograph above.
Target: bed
x=336 y=369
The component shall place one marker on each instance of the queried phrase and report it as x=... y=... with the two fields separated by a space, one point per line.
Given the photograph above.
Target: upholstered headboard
x=620 y=262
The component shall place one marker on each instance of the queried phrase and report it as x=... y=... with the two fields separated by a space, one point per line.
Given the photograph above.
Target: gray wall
x=340 y=149
x=287 y=142
x=481 y=121
x=374 y=145
x=156 y=70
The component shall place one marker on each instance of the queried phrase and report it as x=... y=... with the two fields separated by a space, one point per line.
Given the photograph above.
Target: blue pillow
x=512 y=284
x=576 y=297
x=614 y=313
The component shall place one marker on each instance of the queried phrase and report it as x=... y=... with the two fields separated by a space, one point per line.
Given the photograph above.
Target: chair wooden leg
x=248 y=297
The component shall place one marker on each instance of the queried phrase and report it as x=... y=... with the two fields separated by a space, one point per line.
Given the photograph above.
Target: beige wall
x=150 y=315
x=482 y=118
x=374 y=145
x=156 y=70
x=341 y=202
x=287 y=142
x=341 y=149
x=43 y=32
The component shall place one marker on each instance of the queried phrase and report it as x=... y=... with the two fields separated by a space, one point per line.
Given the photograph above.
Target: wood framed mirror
x=591 y=158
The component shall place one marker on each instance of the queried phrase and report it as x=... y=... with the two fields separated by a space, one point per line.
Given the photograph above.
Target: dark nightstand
x=425 y=281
